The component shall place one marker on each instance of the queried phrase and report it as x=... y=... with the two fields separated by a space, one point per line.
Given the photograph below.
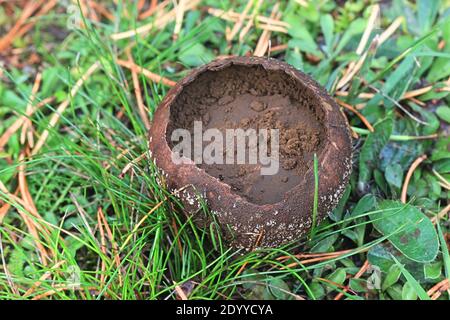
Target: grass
x=87 y=215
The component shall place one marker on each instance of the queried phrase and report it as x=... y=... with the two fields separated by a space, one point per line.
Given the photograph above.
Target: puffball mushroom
x=255 y=209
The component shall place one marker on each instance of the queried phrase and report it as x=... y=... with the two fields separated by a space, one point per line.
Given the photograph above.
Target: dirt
x=253 y=98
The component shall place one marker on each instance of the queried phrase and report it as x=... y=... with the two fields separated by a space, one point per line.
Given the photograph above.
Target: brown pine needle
x=147 y=73
x=19 y=122
x=175 y=228
x=103 y=249
x=62 y=107
x=314 y=255
x=280 y=47
x=27 y=127
x=413 y=167
x=441 y=214
x=102 y=10
x=31 y=226
x=154 y=7
x=435 y=291
x=142 y=109
x=131 y=164
x=358 y=275
x=46 y=8
x=358 y=114
x=30 y=7
x=255 y=245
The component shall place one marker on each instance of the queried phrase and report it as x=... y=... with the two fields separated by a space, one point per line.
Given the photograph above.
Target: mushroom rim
x=329 y=107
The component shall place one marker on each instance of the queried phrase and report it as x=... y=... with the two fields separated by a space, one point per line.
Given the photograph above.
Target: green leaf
x=365 y=204
x=338 y=276
x=408 y=292
x=371 y=149
x=445 y=253
x=413 y=282
x=432 y=270
x=327 y=25
x=444 y=113
x=278 y=288
x=394 y=175
x=195 y=55
x=409 y=230
x=426 y=13
x=392 y=277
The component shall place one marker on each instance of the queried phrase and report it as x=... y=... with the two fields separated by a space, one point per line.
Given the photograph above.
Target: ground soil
x=253 y=98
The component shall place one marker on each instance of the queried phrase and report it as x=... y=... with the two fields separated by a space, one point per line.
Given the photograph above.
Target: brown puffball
x=256 y=93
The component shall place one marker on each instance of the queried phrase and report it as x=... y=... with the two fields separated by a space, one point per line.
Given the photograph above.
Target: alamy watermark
x=230 y=146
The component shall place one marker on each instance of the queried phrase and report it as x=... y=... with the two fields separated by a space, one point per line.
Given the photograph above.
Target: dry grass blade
x=263 y=43
x=238 y=25
x=160 y=22
x=249 y=24
x=147 y=73
x=44 y=277
x=62 y=107
x=353 y=67
x=180 y=292
x=180 y=8
x=263 y=23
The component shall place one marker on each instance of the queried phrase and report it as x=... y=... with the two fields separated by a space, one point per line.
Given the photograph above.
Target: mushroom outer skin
x=247 y=225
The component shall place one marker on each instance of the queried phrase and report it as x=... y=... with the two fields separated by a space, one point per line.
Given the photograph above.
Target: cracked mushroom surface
x=252 y=93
